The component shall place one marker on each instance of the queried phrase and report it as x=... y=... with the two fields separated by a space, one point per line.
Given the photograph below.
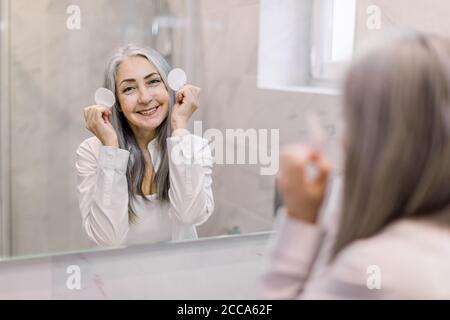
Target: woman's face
x=142 y=95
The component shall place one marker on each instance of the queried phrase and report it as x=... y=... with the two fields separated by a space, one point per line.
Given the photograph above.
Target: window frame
x=324 y=70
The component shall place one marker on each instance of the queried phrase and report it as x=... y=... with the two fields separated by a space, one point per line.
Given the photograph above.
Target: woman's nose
x=144 y=97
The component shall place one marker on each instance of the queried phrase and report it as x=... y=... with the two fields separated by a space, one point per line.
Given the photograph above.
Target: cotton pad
x=105 y=97
x=177 y=79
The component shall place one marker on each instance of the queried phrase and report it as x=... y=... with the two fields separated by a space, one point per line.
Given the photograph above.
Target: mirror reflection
x=161 y=164
x=143 y=177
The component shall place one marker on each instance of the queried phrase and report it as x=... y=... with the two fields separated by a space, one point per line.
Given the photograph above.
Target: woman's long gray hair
x=136 y=166
x=397 y=110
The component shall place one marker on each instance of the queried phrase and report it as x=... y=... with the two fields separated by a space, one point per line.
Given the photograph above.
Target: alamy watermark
x=74 y=20
x=374 y=17
x=374 y=279
x=73 y=281
x=235 y=146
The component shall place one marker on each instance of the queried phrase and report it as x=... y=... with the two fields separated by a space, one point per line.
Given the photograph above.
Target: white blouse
x=103 y=193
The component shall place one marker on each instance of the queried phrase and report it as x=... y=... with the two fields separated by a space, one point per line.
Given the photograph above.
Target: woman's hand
x=187 y=102
x=302 y=197
x=97 y=122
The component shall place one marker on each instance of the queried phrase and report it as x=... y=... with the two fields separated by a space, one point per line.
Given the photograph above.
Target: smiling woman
x=132 y=187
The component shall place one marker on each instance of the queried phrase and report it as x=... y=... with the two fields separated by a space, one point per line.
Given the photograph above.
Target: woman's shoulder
x=190 y=138
x=410 y=235
x=92 y=141
x=411 y=258
x=192 y=147
x=89 y=147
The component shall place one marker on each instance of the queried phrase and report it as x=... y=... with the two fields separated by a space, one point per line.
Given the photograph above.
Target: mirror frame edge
x=153 y=246
x=5 y=177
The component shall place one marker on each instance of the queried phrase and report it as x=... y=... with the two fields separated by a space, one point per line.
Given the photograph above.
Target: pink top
x=407 y=260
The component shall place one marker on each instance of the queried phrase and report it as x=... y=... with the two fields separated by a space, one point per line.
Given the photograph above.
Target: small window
x=304 y=45
x=333 y=39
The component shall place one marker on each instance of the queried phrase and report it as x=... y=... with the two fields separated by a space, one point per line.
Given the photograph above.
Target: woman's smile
x=149 y=112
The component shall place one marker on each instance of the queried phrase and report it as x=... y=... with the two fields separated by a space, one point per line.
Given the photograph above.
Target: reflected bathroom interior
x=263 y=67
x=56 y=62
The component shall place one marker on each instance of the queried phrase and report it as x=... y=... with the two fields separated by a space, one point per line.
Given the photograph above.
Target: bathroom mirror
x=53 y=58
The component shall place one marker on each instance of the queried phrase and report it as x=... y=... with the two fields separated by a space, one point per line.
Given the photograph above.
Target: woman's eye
x=127 y=89
x=154 y=81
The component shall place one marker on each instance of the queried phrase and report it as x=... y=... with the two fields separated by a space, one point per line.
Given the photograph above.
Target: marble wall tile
x=234 y=101
x=237 y=103
x=210 y=6
x=420 y=15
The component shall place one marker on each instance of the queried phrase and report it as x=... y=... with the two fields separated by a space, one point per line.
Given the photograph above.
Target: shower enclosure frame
x=5 y=137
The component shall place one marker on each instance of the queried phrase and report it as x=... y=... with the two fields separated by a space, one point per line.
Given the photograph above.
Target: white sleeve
x=103 y=193
x=190 y=167
x=291 y=258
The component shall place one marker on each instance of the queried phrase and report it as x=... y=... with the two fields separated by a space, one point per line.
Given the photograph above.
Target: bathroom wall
x=233 y=100
x=427 y=16
x=230 y=32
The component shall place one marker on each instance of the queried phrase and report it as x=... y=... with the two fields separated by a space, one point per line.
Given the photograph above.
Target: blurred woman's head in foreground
x=397 y=139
